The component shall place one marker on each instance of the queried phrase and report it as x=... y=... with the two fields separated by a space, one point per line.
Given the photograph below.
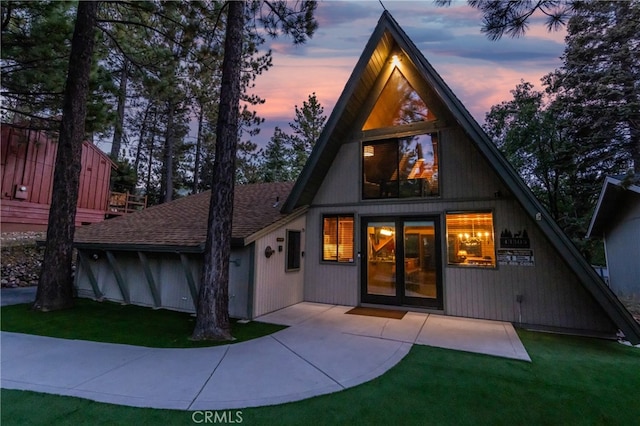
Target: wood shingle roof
x=182 y=224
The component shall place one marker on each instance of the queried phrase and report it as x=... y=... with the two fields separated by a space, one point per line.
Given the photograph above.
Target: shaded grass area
x=114 y=323
x=571 y=381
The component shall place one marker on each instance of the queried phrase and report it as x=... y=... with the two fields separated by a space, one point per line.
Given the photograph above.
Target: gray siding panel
x=169 y=276
x=342 y=185
x=552 y=295
x=326 y=282
x=623 y=248
x=276 y=288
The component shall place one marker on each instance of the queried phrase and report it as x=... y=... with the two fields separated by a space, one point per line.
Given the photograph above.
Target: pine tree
x=275 y=166
x=598 y=85
x=35 y=52
x=512 y=17
x=55 y=288
x=213 y=300
x=585 y=125
x=306 y=126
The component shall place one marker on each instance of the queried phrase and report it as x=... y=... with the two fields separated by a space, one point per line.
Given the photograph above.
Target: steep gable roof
x=613 y=193
x=182 y=224
x=387 y=38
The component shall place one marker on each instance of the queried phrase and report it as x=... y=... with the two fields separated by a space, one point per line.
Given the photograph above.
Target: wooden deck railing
x=123 y=202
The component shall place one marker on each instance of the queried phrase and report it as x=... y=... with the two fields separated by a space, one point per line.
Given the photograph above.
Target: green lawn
x=571 y=381
x=115 y=323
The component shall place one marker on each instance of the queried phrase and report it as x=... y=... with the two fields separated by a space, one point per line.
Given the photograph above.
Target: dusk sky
x=480 y=72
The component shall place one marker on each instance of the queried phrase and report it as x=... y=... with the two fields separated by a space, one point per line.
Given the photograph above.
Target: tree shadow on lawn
x=126 y=324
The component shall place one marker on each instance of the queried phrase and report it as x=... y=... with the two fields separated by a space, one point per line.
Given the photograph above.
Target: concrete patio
x=322 y=351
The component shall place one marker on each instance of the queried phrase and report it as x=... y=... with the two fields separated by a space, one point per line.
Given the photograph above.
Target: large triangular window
x=398 y=104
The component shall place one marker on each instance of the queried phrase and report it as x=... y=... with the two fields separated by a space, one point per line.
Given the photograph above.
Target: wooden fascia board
x=140 y=247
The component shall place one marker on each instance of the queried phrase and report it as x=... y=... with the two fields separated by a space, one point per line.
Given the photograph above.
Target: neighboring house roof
x=387 y=37
x=182 y=224
x=614 y=192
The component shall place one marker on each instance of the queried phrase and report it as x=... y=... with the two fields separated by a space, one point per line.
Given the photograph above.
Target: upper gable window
x=401 y=167
x=398 y=104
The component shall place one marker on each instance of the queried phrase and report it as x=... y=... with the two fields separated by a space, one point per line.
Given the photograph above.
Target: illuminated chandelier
x=475 y=239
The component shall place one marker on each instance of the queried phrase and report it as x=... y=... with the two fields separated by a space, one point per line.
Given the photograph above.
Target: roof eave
x=300 y=211
x=158 y=248
x=612 y=188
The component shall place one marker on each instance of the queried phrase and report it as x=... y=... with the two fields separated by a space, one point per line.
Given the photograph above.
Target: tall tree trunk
x=196 y=166
x=143 y=133
x=122 y=99
x=213 y=301
x=166 y=191
x=150 y=164
x=55 y=287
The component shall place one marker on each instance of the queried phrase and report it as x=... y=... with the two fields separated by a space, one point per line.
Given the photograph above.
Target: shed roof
x=386 y=39
x=614 y=192
x=182 y=224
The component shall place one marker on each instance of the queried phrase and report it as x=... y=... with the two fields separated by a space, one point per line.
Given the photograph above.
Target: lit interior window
x=398 y=104
x=401 y=168
x=337 y=242
x=470 y=239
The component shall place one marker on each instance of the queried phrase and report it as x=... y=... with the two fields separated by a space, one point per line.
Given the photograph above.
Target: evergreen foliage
x=584 y=126
x=512 y=17
x=285 y=155
x=36 y=43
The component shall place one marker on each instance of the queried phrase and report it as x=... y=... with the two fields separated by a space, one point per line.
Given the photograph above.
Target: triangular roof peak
x=399 y=103
x=386 y=40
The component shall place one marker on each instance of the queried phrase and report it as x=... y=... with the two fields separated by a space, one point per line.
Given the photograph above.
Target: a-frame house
x=411 y=204
x=404 y=202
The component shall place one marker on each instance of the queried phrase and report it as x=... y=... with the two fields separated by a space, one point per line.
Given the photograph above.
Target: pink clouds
x=480 y=72
x=482 y=86
x=296 y=79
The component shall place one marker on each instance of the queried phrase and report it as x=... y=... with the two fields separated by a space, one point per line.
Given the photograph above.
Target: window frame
x=391 y=137
x=298 y=248
x=494 y=258
x=337 y=260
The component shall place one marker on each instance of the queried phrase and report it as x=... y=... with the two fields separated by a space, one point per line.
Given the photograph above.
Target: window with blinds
x=337 y=238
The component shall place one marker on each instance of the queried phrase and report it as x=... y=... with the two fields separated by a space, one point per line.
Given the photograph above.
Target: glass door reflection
x=420 y=271
x=381 y=258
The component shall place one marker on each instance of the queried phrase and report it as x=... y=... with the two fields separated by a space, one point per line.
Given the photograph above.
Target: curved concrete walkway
x=322 y=351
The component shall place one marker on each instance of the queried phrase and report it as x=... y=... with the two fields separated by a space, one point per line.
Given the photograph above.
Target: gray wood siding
x=169 y=277
x=552 y=294
x=275 y=288
x=342 y=183
x=326 y=282
x=623 y=248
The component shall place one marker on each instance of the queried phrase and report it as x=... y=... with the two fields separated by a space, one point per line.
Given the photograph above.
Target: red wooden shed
x=27 y=162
